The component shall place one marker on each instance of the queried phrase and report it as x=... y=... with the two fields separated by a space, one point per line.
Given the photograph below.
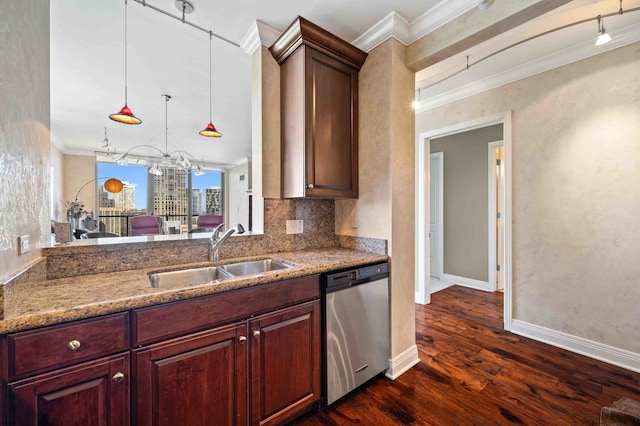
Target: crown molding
x=577 y=52
x=396 y=26
x=258 y=34
x=439 y=15
x=391 y=26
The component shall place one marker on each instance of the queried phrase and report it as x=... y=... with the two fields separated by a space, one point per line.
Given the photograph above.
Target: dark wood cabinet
x=319 y=112
x=247 y=356
x=285 y=363
x=200 y=379
x=92 y=393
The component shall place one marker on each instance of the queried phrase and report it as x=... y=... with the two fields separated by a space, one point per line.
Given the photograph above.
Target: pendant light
x=125 y=115
x=210 y=131
x=603 y=36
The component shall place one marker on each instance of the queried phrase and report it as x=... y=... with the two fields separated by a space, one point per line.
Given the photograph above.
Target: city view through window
x=165 y=195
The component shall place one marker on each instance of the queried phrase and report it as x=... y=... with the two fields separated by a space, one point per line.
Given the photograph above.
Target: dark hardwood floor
x=472 y=372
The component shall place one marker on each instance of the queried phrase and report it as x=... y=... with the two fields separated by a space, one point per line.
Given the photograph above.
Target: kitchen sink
x=254 y=267
x=186 y=277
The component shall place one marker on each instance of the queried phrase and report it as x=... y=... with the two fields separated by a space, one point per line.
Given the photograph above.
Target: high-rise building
x=196 y=201
x=126 y=199
x=170 y=194
x=213 y=200
x=111 y=220
x=105 y=201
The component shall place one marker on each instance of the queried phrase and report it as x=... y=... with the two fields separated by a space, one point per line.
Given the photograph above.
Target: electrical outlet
x=23 y=245
x=355 y=220
x=294 y=227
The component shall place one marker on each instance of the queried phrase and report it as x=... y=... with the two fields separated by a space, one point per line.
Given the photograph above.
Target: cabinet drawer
x=150 y=325
x=60 y=345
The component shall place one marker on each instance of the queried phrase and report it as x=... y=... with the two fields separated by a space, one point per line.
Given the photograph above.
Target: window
x=167 y=193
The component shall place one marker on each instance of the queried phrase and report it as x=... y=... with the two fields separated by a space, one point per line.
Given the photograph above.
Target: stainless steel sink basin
x=254 y=267
x=187 y=277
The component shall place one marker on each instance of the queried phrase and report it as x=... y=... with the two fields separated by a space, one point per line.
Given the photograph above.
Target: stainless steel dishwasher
x=356 y=321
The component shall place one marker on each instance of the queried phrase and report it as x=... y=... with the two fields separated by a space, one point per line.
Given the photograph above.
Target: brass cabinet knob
x=74 y=345
x=117 y=378
x=242 y=339
x=310 y=186
x=256 y=333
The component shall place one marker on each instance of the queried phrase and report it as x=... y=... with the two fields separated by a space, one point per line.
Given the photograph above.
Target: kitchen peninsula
x=118 y=337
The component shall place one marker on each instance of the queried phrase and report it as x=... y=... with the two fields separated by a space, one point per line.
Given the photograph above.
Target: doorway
x=496 y=221
x=423 y=209
x=436 y=206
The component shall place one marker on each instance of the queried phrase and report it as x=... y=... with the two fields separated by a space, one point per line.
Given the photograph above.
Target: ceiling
x=168 y=57
x=532 y=57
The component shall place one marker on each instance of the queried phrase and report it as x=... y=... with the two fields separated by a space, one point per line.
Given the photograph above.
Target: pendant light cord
x=210 y=78
x=125 y=52
x=166 y=124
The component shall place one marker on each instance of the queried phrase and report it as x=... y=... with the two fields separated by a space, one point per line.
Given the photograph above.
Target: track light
x=105 y=142
x=485 y=4
x=125 y=115
x=210 y=131
x=603 y=36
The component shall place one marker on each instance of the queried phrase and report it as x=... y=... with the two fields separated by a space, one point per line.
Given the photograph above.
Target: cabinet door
x=199 y=379
x=285 y=363
x=92 y=393
x=331 y=131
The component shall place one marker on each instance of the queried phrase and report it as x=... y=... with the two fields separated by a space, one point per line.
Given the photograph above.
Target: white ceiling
x=166 y=56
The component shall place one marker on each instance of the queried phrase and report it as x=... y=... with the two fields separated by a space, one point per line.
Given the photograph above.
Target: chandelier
x=177 y=158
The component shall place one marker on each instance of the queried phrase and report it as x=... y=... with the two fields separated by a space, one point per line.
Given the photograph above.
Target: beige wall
x=576 y=174
x=385 y=207
x=24 y=132
x=77 y=171
x=466 y=201
x=266 y=120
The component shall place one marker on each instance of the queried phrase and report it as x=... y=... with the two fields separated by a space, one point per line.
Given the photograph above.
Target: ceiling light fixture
x=485 y=4
x=105 y=141
x=210 y=131
x=125 y=115
x=416 y=101
x=603 y=36
x=599 y=18
x=166 y=160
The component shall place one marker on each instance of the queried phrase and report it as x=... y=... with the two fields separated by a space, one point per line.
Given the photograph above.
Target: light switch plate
x=294 y=227
x=23 y=245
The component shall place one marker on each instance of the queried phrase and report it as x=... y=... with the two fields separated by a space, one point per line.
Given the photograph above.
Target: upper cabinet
x=319 y=112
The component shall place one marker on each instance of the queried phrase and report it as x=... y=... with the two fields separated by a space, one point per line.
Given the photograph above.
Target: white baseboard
x=402 y=363
x=600 y=351
x=465 y=282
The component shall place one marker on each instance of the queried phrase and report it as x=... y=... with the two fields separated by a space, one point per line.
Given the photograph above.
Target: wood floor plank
x=472 y=372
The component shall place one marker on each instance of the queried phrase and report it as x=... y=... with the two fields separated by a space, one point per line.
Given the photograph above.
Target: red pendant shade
x=210 y=131
x=125 y=116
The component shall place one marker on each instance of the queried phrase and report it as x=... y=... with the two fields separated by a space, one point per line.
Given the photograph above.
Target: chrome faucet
x=216 y=242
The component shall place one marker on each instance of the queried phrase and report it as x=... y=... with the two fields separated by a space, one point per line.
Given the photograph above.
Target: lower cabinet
x=199 y=379
x=261 y=368
x=91 y=393
x=285 y=363
x=207 y=378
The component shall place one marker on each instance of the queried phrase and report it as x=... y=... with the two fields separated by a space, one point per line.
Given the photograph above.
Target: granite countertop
x=36 y=304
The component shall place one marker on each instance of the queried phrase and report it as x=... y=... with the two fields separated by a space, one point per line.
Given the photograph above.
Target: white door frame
x=493 y=261
x=423 y=145
x=439 y=243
